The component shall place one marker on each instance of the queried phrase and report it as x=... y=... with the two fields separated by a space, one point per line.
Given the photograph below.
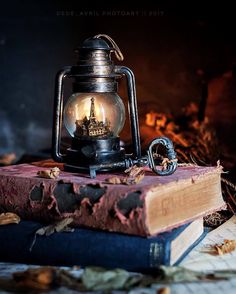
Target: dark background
x=165 y=45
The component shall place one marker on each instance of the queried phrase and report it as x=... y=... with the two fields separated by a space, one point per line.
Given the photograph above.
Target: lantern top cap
x=102 y=42
x=95 y=43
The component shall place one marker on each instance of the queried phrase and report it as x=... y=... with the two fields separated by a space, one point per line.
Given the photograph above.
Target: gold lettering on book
x=156 y=254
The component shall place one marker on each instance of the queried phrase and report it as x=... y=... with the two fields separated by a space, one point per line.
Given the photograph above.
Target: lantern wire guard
x=95 y=114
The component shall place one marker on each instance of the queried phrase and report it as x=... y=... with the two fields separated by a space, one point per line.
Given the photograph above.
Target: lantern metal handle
x=116 y=49
x=132 y=105
x=58 y=110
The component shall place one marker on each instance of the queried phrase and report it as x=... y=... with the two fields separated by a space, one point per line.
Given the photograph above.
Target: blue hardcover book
x=86 y=247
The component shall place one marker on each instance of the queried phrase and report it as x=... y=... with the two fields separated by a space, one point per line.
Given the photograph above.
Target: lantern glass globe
x=94 y=114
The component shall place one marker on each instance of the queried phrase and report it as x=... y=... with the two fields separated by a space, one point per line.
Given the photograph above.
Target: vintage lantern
x=94 y=115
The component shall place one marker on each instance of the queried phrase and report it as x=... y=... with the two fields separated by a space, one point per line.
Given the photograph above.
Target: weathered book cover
x=154 y=205
x=85 y=247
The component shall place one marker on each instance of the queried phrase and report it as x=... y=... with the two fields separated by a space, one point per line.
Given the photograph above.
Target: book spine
x=82 y=247
x=159 y=254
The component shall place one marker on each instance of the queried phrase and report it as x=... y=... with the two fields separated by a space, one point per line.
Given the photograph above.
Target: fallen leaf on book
x=114 y=180
x=61 y=226
x=40 y=278
x=227 y=247
x=134 y=173
x=9 y=218
x=125 y=181
x=49 y=173
x=7 y=159
x=138 y=178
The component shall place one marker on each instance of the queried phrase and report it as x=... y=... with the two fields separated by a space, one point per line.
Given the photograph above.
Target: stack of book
x=136 y=227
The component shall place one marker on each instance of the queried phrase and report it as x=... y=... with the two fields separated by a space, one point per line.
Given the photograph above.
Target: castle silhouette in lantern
x=91 y=127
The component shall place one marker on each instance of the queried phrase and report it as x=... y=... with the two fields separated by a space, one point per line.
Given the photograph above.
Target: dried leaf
x=56 y=227
x=139 y=178
x=176 y=274
x=71 y=280
x=129 y=169
x=7 y=159
x=99 y=279
x=126 y=180
x=117 y=180
x=49 y=173
x=179 y=274
x=134 y=180
x=114 y=180
x=41 y=278
x=164 y=290
x=165 y=162
x=9 y=218
x=135 y=175
x=227 y=247
x=134 y=171
x=61 y=226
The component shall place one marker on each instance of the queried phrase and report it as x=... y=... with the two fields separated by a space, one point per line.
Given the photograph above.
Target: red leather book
x=154 y=205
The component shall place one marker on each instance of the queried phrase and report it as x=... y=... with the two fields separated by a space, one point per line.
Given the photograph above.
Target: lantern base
x=86 y=152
